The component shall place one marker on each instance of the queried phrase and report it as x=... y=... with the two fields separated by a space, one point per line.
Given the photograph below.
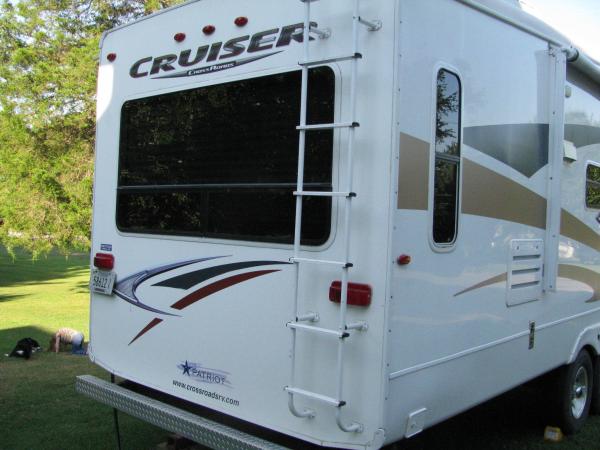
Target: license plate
x=102 y=281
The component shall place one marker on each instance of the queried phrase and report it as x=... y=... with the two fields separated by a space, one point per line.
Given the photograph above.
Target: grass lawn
x=39 y=408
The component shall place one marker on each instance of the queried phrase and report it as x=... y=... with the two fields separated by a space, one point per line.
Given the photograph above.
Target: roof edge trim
x=141 y=19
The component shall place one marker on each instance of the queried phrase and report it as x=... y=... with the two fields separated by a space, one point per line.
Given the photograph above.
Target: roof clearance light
x=358 y=294
x=111 y=57
x=104 y=261
x=241 y=21
x=179 y=37
x=209 y=29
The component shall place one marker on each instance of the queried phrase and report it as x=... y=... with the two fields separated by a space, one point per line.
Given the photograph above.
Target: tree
x=48 y=66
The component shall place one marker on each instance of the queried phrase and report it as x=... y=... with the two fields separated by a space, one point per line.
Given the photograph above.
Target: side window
x=447 y=158
x=592 y=186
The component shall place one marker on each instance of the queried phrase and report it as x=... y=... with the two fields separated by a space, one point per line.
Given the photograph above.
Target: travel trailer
x=344 y=221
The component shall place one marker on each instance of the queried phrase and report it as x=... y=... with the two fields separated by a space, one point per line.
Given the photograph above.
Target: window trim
x=227 y=78
x=587 y=207
x=450 y=246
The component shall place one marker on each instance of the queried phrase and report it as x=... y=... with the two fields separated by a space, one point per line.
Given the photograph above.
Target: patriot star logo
x=186 y=368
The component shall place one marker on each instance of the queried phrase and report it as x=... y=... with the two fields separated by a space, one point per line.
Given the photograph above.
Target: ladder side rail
x=298 y=219
x=353 y=426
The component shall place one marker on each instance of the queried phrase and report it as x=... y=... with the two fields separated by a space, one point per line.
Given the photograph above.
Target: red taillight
x=209 y=29
x=179 y=37
x=104 y=261
x=241 y=21
x=111 y=57
x=403 y=260
x=358 y=294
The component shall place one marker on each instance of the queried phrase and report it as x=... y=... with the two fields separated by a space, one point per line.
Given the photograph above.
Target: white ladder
x=303 y=321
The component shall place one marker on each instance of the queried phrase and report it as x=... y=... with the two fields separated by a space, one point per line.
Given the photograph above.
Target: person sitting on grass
x=68 y=336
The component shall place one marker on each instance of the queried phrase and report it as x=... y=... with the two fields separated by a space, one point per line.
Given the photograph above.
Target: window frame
x=585 y=186
x=443 y=247
x=227 y=78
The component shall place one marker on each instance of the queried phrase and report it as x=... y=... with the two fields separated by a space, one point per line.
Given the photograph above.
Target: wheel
x=595 y=405
x=575 y=387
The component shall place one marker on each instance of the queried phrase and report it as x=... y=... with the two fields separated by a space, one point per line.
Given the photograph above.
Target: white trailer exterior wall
x=448 y=317
x=243 y=330
x=441 y=337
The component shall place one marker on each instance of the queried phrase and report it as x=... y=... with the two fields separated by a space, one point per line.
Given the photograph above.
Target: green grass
x=39 y=408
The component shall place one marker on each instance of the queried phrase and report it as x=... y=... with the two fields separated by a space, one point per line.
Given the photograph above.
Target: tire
x=595 y=406
x=574 y=389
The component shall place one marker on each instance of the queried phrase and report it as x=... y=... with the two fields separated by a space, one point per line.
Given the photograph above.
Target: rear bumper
x=198 y=429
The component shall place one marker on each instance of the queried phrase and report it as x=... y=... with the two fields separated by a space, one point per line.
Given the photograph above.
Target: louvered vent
x=525 y=265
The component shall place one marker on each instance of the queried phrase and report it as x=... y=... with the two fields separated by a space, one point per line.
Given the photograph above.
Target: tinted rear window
x=221 y=161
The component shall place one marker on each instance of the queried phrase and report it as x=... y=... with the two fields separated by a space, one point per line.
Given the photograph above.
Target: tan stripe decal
x=485 y=283
x=413 y=173
x=569 y=271
x=489 y=194
x=485 y=193
x=573 y=228
x=583 y=275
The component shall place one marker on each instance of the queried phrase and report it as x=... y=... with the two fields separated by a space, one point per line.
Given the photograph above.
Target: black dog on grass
x=25 y=347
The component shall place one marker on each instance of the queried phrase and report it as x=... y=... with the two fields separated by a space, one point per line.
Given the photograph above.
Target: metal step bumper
x=198 y=429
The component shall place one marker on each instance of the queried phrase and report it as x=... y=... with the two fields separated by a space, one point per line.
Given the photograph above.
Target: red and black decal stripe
x=216 y=287
x=190 y=279
x=187 y=280
x=147 y=328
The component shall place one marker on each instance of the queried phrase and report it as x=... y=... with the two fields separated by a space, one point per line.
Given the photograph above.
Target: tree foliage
x=447 y=104
x=48 y=66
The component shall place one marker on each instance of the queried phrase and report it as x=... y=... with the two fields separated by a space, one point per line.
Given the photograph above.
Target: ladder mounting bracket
x=360 y=326
x=323 y=33
x=372 y=25
x=308 y=317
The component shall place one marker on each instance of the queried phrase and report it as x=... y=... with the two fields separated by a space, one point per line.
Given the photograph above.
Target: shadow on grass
x=9 y=338
x=22 y=270
x=506 y=422
x=82 y=287
x=8 y=298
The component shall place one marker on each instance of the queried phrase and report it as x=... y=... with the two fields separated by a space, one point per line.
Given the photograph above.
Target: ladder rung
x=328 y=126
x=324 y=194
x=327 y=331
x=330 y=60
x=321 y=261
x=322 y=398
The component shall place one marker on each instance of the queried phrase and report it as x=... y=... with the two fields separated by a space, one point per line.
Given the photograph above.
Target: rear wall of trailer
x=170 y=215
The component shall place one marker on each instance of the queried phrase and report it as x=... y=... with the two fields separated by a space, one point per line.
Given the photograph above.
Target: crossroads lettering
x=166 y=66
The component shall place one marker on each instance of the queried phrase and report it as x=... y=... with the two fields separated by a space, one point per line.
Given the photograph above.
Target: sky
x=579 y=20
